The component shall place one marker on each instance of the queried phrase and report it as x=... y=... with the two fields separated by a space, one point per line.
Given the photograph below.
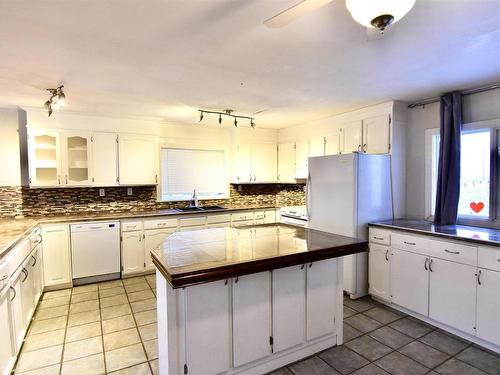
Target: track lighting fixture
x=56 y=101
x=229 y=113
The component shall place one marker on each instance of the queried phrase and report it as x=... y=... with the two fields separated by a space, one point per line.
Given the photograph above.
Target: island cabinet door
x=251 y=318
x=321 y=298
x=378 y=271
x=208 y=342
x=289 y=307
x=132 y=252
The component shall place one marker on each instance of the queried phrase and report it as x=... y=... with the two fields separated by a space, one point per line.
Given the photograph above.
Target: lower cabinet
x=488 y=305
x=452 y=294
x=36 y=269
x=288 y=299
x=321 y=298
x=410 y=281
x=251 y=318
x=153 y=239
x=18 y=318
x=379 y=265
x=208 y=338
x=27 y=293
x=132 y=252
x=56 y=255
x=7 y=348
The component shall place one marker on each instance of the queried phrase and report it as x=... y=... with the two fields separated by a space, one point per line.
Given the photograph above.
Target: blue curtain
x=448 y=184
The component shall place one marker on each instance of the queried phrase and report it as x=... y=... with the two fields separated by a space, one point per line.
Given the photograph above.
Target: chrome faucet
x=194 y=200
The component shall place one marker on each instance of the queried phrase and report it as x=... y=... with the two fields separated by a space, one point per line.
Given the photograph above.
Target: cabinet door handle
x=302 y=267
x=66 y=179
x=250 y=177
x=410 y=243
x=425 y=264
x=378 y=238
x=359 y=147
x=310 y=264
x=479 y=277
x=387 y=255
x=452 y=252
x=365 y=147
x=430 y=265
x=25 y=271
x=58 y=179
x=236 y=280
x=14 y=296
x=4 y=277
x=34 y=261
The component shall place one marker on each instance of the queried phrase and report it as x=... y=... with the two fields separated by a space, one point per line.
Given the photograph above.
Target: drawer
x=242 y=216
x=241 y=223
x=214 y=219
x=454 y=251
x=129 y=226
x=159 y=224
x=259 y=215
x=403 y=241
x=193 y=227
x=380 y=236
x=489 y=257
x=193 y=221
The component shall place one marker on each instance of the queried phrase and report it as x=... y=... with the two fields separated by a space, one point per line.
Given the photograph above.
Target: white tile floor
x=104 y=328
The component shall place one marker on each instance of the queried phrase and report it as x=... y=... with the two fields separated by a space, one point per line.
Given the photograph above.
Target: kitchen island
x=250 y=299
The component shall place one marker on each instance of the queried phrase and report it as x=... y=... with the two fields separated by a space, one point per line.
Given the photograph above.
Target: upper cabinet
x=286 y=162
x=332 y=143
x=45 y=158
x=76 y=157
x=317 y=146
x=137 y=160
x=301 y=158
x=256 y=163
x=105 y=159
x=371 y=136
x=352 y=134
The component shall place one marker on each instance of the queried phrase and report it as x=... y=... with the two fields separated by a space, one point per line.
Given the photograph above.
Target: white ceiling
x=164 y=59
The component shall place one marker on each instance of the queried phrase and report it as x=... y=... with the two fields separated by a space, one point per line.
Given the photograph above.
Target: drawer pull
x=378 y=238
x=479 y=277
x=425 y=264
x=430 y=265
x=4 y=277
x=410 y=243
x=387 y=255
x=452 y=252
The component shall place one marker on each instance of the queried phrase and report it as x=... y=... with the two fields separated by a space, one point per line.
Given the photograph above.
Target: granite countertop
x=189 y=258
x=14 y=230
x=479 y=235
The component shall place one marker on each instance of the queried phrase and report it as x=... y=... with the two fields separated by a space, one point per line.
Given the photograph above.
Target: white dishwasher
x=95 y=250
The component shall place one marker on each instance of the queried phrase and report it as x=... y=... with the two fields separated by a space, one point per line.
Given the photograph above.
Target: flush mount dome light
x=378 y=13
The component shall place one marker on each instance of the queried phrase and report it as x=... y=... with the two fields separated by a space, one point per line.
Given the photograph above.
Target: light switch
x=102 y=192
x=129 y=191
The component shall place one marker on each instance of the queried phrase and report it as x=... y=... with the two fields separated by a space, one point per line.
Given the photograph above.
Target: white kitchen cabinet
x=286 y=162
x=36 y=269
x=208 y=339
x=270 y=216
x=105 y=159
x=376 y=135
x=321 y=282
x=289 y=298
x=379 y=275
x=7 y=349
x=76 y=158
x=352 y=134
x=452 y=294
x=251 y=317
x=132 y=252
x=137 y=160
x=301 y=159
x=317 y=146
x=18 y=319
x=243 y=172
x=153 y=239
x=56 y=255
x=44 y=149
x=410 y=280
x=488 y=305
x=257 y=162
x=27 y=295
x=332 y=144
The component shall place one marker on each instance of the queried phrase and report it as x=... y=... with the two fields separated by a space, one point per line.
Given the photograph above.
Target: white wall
x=11 y=119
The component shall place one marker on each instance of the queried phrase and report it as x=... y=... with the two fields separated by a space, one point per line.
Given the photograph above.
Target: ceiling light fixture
x=229 y=113
x=56 y=101
x=378 y=13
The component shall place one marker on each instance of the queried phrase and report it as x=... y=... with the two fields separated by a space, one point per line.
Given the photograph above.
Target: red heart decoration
x=476 y=207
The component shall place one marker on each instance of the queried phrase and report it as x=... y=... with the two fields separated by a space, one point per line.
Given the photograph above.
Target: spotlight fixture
x=229 y=113
x=56 y=101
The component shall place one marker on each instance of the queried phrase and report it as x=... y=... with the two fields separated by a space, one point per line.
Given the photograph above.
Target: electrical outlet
x=240 y=188
x=304 y=188
x=129 y=191
x=102 y=192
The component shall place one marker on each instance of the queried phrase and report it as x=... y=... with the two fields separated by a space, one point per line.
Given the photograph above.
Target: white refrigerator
x=345 y=193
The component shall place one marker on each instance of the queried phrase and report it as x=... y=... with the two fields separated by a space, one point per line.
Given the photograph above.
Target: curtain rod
x=464 y=92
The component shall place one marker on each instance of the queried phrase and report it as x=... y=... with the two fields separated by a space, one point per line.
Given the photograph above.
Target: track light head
x=252 y=124
x=48 y=107
x=220 y=118
x=235 y=122
x=201 y=116
x=56 y=101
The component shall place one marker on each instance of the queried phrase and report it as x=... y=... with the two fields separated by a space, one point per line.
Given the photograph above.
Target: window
x=474 y=202
x=184 y=170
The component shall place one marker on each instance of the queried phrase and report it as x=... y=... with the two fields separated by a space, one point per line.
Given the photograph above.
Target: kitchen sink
x=207 y=208
x=204 y=208
x=188 y=209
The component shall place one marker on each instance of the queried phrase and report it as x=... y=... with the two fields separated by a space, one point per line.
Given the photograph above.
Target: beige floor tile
x=43 y=340
x=133 y=280
x=93 y=365
x=39 y=358
x=137 y=287
x=154 y=367
x=145 y=317
x=49 y=370
x=84 y=331
x=147 y=304
x=83 y=297
x=83 y=318
x=140 y=296
x=118 y=324
x=85 y=288
x=109 y=284
x=142 y=369
x=148 y=332
x=54 y=302
x=121 y=339
x=151 y=349
x=51 y=312
x=47 y=325
x=125 y=357
x=111 y=292
x=115 y=311
x=84 y=306
x=56 y=294
x=114 y=301
x=83 y=348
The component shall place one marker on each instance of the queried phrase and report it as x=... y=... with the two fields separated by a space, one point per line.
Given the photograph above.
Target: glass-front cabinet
x=76 y=159
x=45 y=158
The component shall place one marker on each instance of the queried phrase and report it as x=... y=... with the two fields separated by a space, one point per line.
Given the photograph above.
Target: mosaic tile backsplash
x=21 y=201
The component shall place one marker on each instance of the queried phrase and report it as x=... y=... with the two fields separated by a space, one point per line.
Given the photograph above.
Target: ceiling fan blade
x=291 y=14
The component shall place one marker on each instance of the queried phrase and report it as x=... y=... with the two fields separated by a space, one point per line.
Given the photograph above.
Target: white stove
x=295 y=215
